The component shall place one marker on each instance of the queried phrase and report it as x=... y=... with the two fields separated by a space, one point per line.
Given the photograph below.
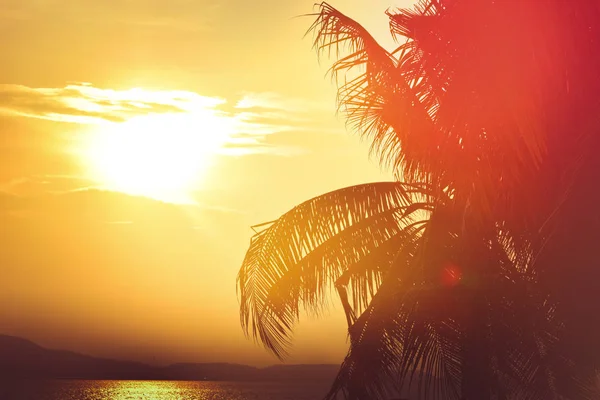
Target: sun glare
x=163 y=156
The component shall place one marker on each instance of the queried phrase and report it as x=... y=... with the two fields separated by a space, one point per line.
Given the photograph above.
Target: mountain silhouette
x=24 y=359
x=21 y=358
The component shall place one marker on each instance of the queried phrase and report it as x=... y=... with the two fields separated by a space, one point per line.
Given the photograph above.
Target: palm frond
x=378 y=94
x=420 y=334
x=400 y=342
x=297 y=259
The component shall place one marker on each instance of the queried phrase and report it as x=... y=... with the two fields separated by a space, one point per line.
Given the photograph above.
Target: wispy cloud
x=85 y=104
x=253 y=118
x=275 y=101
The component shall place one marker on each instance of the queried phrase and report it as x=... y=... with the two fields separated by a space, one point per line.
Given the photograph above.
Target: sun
x=163 y=156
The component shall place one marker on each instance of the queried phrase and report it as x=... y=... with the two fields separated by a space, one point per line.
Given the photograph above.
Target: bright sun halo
x=161 y=156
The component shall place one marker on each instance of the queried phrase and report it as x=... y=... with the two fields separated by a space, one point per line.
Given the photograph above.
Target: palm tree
x=448 y=276
x=396 y=257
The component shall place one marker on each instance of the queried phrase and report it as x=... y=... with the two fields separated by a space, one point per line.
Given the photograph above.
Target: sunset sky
x=140 y=140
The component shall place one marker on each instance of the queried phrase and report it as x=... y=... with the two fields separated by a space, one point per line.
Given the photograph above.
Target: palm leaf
x=298 y=258
x=378 y=95
x=400 y=339
x=418 y=333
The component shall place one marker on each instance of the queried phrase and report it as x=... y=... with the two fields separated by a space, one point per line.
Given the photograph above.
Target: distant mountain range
x=21 y=358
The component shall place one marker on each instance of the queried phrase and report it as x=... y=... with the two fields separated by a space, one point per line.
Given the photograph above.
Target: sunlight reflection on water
x=159 y=390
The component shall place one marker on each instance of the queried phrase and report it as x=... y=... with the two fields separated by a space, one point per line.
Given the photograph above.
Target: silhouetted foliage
x=474 y=275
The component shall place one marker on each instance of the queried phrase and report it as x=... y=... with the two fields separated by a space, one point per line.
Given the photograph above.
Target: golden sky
x=140 y=140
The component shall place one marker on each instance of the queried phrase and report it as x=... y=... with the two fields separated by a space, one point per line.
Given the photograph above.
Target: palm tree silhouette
x=450 y=277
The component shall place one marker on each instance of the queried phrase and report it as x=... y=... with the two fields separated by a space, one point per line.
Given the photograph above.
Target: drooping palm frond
x=346 y=235
x=452 y=103
x=502 y=75
x=392 y=344
x=377 y=94
x=408 y=338
x=420 y=336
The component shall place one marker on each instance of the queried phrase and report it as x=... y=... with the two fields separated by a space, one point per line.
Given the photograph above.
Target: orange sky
x=141 y=139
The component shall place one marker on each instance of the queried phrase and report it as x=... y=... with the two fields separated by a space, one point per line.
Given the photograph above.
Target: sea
x=159 y=390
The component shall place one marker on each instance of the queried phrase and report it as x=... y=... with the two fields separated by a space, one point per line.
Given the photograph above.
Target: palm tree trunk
x=476 y=384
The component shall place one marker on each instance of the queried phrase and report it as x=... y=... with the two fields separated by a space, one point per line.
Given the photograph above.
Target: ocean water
x=159 y=390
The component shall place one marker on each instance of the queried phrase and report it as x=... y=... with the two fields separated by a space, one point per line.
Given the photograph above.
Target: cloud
x=253 y=118
x=262 y=148
x=85 y=104
x=275 y=101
